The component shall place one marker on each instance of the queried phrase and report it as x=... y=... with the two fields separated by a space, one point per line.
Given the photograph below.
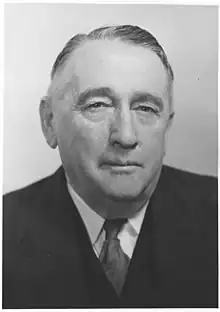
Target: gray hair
x=127 y=33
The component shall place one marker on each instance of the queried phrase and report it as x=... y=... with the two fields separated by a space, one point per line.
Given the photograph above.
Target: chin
x=123 y=193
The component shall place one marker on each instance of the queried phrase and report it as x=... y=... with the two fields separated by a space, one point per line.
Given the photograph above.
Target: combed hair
x=127 y=33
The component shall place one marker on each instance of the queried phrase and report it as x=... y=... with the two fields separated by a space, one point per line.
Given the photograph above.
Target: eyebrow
x=108 y=92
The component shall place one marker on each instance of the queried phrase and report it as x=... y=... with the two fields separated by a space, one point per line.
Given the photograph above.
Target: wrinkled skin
x=110 y=120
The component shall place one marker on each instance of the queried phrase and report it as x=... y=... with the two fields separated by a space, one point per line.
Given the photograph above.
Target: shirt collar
x=94 y=222
x=137 y=220
x=91 y=219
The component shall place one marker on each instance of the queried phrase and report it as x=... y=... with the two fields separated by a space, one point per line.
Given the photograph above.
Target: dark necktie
x=115 y=262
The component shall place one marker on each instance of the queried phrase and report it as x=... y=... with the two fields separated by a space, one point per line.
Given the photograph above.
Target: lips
x=119 y=165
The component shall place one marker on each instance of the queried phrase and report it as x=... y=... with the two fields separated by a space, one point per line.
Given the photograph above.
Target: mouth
x=120 y=166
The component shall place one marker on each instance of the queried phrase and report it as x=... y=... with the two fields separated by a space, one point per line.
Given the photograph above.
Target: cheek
x=82 y=137
x=93 y=135
x=64 y=131
x=153 y=141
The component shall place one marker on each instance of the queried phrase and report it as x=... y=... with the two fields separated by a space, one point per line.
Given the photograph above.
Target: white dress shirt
x=94 y=225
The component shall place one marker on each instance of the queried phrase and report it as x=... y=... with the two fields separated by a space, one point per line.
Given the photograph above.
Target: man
x=112 y=227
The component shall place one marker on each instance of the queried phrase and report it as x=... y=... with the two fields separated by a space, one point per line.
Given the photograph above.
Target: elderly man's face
x=112 y=118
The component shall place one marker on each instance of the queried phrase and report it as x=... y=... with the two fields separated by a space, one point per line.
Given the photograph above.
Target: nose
x=123 y=132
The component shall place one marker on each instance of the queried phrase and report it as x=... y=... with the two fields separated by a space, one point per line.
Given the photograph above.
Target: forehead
x=115 y=64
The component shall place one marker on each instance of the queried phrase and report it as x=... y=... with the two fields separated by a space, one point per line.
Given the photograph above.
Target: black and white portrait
x=110 y=156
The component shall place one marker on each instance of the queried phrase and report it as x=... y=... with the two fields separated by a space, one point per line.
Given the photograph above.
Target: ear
x=169 y=123
x=47 y=121
x=170 y=120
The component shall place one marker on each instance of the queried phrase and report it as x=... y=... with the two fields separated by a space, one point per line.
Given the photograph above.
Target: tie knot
x=113 y=227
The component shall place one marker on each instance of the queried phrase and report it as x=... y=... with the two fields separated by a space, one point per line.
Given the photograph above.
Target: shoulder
x=27 y=203
x=31 y=192
x=192 y=198
x=193 y=184
x=29 y=213
x=26 y=193
x=184 y=175
x=23 y=200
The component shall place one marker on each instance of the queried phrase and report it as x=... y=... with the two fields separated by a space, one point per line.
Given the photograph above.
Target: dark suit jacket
x=49 y=262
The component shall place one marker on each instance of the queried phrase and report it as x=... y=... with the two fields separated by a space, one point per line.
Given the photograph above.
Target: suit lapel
x=144 y=266
x=99 y=291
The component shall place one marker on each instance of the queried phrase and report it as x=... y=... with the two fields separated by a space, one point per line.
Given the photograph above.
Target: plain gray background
x=36 y=33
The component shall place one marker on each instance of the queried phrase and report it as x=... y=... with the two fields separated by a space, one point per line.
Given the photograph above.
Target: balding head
x=133 y=35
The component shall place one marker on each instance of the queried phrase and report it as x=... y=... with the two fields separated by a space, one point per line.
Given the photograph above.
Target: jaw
x=110 y=194
x=120 y=200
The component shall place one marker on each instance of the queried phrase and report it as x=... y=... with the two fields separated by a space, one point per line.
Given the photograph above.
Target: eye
x=147 y=109
x=97 y=105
